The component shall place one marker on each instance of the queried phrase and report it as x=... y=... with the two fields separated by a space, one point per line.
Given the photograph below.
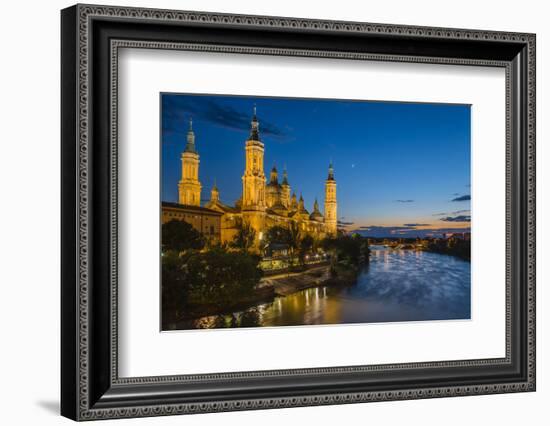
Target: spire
x=316 y=206
x=285 y=177
x=301 y=203
x=254 y=127
x=330 y=172
x=274 y=177
x=190 y=147
x=214 y=193
x=293 y=202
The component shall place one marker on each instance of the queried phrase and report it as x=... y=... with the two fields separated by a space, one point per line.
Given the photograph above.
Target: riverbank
x=261 y=295
x=288 y=283
x=280 y=285
x=461 y=252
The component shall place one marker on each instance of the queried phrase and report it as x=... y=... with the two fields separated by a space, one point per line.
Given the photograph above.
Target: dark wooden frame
x=90 y=386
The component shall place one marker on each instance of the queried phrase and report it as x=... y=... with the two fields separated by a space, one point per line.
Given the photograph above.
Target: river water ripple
x=397 y=285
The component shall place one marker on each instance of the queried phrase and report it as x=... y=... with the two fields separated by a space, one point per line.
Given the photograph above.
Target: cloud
x=404 y=201
x=452 y=213
x=389 y=229
x=462 y=198
x=415 y=224
x=178 y=109
x=403 y=231
x=342 y=223
x=457 y=219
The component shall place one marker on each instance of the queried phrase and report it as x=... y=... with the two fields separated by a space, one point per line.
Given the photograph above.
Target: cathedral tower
x=189 y=187
x=301 y=206
x=293 y=202
x=254 y=177
x=285 y=190
x=214 y=194
x=273 y=189
x=253 y=198
x=273 y=176
x=331 y=218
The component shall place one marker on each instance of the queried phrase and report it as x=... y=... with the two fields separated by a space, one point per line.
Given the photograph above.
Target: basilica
x=264 y=202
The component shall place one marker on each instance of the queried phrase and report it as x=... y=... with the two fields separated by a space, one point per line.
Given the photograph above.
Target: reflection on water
x=398 y=285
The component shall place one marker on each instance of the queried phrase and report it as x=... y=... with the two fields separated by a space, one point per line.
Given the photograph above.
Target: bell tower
x=189 y=187
x=331 y=205
x=254 y=177
x=254 y=185
x=285 y=190
x=215 y=193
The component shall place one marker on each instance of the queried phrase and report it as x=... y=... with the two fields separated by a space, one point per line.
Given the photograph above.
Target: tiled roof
x=185 y=207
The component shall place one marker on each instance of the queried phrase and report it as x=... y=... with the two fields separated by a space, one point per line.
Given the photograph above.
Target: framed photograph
x=263 y=212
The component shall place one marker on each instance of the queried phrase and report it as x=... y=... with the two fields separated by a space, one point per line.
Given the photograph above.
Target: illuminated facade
x=206 y=221
x=189 y=187
x=263 y=203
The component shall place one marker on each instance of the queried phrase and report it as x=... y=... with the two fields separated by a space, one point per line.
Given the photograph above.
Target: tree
x=195 y=282
x=276 y=235
x=221 y=278
x=180 y=236
x=175 y=287
x=293 y=238
x=306 y=243
x=305 y=246
x=245 y=236
x=350 y=249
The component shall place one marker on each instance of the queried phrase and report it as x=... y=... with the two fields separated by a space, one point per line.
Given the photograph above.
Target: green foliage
x=218 y=277
x=250 y=318
x=277 y=235
x=306 y=243
x=297 y=243
x=293 y=236
x=305 y=246
x=452 y=246
x=350 y=249
x=180 y=236
x=212 y=278
x=244 y=238
x=175 y=286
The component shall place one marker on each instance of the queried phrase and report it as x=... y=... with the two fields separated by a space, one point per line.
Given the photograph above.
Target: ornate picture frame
x=91 y=37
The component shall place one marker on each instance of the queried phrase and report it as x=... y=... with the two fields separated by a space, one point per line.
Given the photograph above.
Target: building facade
x=206 y=221
x=263 y=203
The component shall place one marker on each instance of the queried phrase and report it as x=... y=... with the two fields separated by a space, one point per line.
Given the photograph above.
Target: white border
x=144 y=351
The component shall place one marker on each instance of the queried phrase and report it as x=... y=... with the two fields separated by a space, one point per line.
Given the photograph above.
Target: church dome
x=316 y=215
x=279 y=208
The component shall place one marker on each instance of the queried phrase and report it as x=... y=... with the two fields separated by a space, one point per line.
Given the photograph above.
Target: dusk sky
x=402 y=169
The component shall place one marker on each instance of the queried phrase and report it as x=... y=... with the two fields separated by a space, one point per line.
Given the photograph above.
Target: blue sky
x=402 y=169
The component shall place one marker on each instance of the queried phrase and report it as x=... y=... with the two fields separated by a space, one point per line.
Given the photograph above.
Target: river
x=397 y=285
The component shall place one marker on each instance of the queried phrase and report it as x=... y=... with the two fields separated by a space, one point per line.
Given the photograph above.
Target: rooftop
x=184 y=207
